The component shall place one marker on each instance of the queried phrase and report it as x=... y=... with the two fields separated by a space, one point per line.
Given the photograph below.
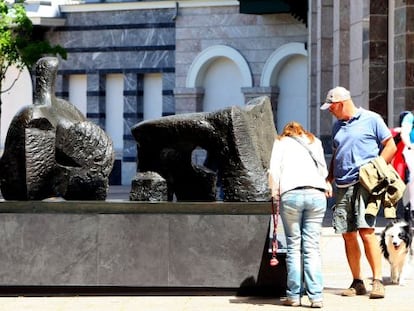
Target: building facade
x=130 y=61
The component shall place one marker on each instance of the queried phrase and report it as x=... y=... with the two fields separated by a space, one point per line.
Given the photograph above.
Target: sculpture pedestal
x=149 y=245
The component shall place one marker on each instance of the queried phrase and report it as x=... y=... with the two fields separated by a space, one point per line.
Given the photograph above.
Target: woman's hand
x=328 y=191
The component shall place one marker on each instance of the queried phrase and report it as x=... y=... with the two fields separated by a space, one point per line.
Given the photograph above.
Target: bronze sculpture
x=51 y=149
x=238 y=142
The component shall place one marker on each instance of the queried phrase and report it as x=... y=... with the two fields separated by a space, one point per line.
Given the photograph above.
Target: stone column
x=188 y=99
x=377 y=46
x=95 y=99
x=403 y=61
x=270 y=91
x=133 y=114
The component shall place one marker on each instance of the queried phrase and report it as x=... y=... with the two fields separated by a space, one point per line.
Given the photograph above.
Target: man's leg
x=372 y=251
x=374 y=257
x=345 y=222
x=353 y=254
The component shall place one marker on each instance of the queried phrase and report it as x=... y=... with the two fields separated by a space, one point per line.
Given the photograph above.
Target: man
x=358 y=136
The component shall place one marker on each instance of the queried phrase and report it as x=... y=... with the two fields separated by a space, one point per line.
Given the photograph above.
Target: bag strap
x=317 y=162
x=275 y=217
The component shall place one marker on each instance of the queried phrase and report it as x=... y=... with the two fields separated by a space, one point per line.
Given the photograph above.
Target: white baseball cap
x=335 y=95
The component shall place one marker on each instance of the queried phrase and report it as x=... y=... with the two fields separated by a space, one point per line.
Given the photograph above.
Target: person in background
x=398 y=161
x=407 y=137
x=297 y=180
x=358 y=137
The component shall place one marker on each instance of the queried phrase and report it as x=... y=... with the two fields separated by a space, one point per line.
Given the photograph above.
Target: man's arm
x=389 y=149
x=330 y=178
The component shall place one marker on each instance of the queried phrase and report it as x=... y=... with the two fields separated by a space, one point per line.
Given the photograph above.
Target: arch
x=278 y=58
x=206 y=57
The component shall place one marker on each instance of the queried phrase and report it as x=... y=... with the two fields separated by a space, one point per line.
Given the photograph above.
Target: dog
x=396 y=239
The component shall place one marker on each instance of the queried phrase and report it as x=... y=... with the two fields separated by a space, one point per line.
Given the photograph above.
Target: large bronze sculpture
x=51 y=149
x=238 y=142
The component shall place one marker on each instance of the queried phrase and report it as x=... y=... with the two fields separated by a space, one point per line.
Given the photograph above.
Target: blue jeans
x=302 y=213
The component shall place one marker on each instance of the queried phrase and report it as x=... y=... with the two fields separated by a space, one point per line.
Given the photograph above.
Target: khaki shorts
x=349 y=210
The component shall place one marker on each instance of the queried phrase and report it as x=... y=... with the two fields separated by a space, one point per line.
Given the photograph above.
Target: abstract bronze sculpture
x=52 y=150
x=238 y=142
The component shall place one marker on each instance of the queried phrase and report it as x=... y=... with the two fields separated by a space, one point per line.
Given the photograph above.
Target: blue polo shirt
x=356 y=142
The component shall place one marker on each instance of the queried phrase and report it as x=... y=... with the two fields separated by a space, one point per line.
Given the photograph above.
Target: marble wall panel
x=378 y=103
x=400 y=48
x=168 y=81
x=410 y=19
x=183 y=46
x=378 y=53
x=111 y=38
x=42 y=249
x=355 y=37
x=130 y=82
x=136 y=253
x=115 y=60
x=378 y=27
x=130 y=104
x=409 y=74
x=168 y=105
x=400 y=104
x=410 y=44
x=400 y=20
x=379 y=7
x=130 y=150
x=93 y=104
x=120 y=17
x=234 y=256
x=399 y=74
x=142 y=250
x=93 y=82
x=409 y=98
x=326 y=53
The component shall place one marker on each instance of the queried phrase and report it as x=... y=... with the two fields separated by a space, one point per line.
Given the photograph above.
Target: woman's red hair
x=294 y=128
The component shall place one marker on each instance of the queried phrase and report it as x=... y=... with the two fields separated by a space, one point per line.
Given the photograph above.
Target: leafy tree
x=18 y=44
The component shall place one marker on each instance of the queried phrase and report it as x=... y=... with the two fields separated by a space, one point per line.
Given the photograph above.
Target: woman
x=297 y=178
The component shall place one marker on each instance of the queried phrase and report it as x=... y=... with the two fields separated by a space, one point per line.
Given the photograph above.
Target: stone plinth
x=124 y=243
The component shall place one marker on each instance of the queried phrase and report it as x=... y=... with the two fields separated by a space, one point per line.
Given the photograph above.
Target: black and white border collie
x=395 y=243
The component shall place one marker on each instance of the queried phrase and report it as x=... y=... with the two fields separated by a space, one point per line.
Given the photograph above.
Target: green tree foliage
x=18 y=47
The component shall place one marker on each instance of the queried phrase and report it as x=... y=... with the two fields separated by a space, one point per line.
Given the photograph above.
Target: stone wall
x=132 y=43
x=256 y=37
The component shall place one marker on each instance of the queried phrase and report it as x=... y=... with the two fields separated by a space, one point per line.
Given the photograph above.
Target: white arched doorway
x=221 y=72
x=287 y=69
x=221 y=84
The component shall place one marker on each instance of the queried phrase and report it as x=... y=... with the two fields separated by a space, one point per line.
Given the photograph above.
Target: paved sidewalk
x=336 y=275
